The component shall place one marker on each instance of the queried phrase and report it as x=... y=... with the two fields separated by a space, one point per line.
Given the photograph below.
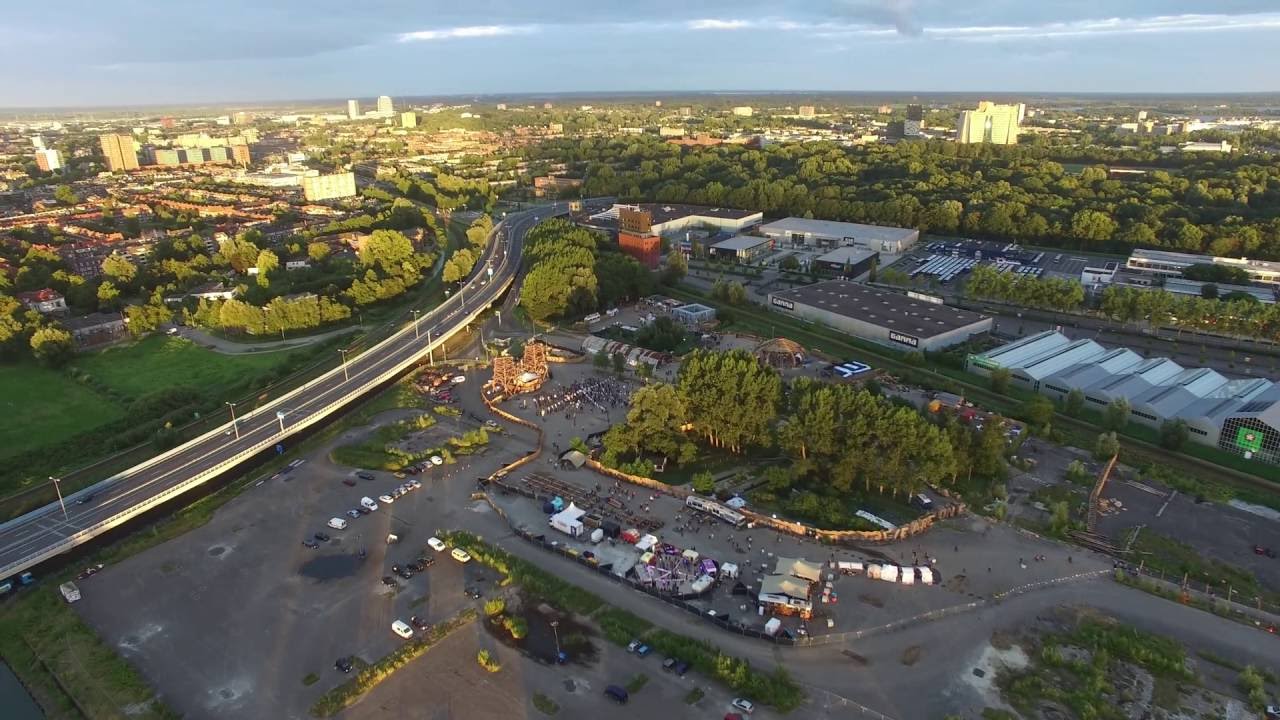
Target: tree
x=1116 y=416
x=239 y=252
x=662 y=335
x=1060 y=519
x=1107 y=446
x=644 y=371
x=1074 y=403
x=108 y=295
x=386 y=250
x=118 y=268
x=318 y=251
x=52 y=346
x=600 y=360
x=1000 y=380
x=653 y=426
x=790 y=263
x=267 y=263
x=674 y=269
x=1174 y=434
x=65 y=195
x=1092 y=225
x=1038 y=412
x=619 y=363
x=704 y=482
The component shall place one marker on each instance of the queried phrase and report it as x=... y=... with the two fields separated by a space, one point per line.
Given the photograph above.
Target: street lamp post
x=343 y=353
x=280 y=417
x=431 y=355
x=234 y=425
x=555 y=624
x=58 y=489
x=415 y=323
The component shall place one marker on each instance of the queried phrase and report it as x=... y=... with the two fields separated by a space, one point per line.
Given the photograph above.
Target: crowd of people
x=604 y=393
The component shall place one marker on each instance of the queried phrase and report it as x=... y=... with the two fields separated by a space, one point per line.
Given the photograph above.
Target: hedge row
x=350 y=691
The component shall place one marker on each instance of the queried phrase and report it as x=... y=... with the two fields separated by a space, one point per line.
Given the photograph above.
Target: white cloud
x=1159 y=24
x=469 y=31
x=717 y=24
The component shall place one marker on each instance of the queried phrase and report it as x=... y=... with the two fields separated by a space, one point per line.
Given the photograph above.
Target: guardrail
x=71 y=541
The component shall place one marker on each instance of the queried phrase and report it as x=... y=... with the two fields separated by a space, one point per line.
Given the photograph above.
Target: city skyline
x=247 y=54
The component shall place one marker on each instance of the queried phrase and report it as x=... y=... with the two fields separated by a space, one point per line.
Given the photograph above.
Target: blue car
x=643 y=650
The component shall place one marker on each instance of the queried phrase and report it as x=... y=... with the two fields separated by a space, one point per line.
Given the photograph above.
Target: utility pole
x=58 y=489
x=234 y=425
x=415 y=323
x=280 y=417
x=343 y=353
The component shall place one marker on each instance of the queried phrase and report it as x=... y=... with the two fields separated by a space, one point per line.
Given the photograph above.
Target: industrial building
x=850 y=263
x=805 y=232
x=669 y=220
x=884 y=317
x=743 y=248
x=1161 y=262
x=1241 y=415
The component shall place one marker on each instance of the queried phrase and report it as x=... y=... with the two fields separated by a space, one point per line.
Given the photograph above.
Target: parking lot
x=228 y=619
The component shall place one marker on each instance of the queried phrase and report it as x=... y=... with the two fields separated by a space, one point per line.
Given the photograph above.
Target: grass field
x=160 y=362
x=38 y=405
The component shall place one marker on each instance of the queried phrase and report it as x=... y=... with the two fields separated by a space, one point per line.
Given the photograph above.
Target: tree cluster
x=1039 y=292
x=570 y=275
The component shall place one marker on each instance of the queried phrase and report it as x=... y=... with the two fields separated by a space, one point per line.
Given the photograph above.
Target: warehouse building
x=884 y=317
x=743 y=248
x=805 y=232
x=1238 y=415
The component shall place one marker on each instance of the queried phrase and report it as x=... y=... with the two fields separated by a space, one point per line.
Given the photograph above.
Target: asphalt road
x=41 y=534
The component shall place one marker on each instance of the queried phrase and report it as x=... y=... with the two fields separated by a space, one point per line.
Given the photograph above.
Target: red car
x=1259 y=550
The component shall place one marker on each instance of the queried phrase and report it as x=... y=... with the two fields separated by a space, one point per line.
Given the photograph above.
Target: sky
x=155 y=52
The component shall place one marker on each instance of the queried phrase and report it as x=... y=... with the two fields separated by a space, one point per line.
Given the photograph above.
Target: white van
x=461 y=555
x=368 y=504
x=337 y=523
x=402 y=629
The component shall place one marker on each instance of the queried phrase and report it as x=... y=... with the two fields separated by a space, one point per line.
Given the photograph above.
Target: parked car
x=348 y=482
x=616 y=694
x=389 y=581
x=322 y=537
x=366 y=475
x=405 y=573
x=472 y=593
x=437 y=460
x=744 y=705
x=386 y=499
x=353 y=514
x=310 y=543
x=460 y=555
x=631 y=646
x=339 y=523
x=681 y=668
x=403 y=630
x=669 y=664
x=344 y=664
x=643 y=650
x=418 y=622
x=363 y=510
x=491 y=424
x=437 y=544
x=1260 y=550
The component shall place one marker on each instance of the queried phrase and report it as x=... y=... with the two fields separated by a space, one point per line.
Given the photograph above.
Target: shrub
x=545 y=705
x=517 y=626
x=496 y=606
x=487 y=661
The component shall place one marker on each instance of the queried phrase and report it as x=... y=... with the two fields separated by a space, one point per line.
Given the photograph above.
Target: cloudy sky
x=95 y=52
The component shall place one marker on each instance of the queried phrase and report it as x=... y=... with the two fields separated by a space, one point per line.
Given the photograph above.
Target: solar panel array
x=945 y=267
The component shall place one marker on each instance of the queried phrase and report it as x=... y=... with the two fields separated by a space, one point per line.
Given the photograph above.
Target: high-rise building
x=241 y=118
x=118 y=151
x=166 y=156
x=240 y=154
x=408 y=119
x=193 y=156
x=329 y=187
x=915 y=118
x=385 y=106
x=807 y=111
x=743 y=111
x=37 y=141
x=48 y=159
x=167 y=122
x=219 y=154
x=353 y=109
x=990 y=123
x=502 y=106
x=686 y=111
x=636 y=238
x=1142 y=115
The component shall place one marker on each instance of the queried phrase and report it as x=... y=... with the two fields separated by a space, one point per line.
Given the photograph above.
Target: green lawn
x=39 y=404
x=159 y=362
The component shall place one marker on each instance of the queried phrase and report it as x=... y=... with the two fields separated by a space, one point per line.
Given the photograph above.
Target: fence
x=834 y=537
